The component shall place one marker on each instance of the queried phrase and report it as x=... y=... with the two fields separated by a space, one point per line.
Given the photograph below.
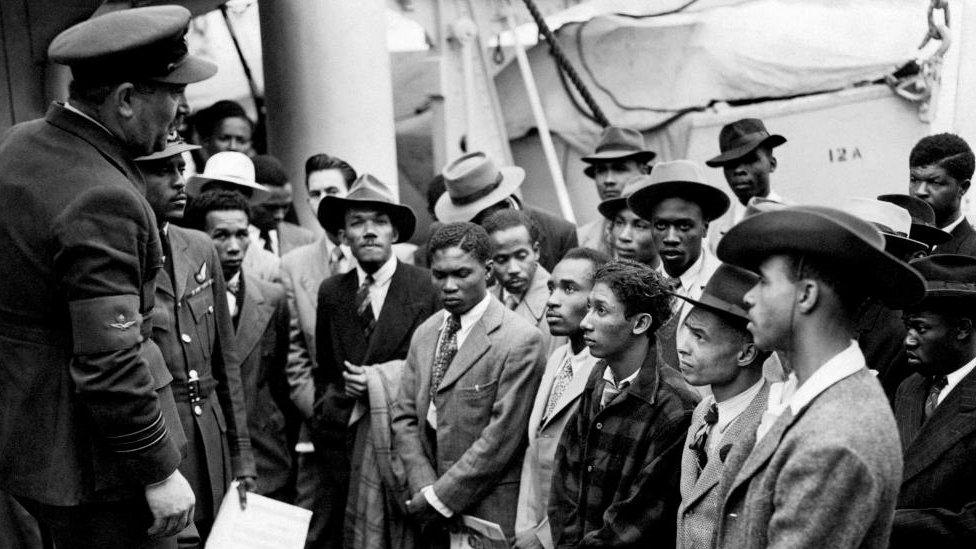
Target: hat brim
x=711 y=303
x=771 y=141
x=607 y=156
x=169 y=151
x=798 y=232
x=259 y=193
x=192 y=69
x=714 y=202
x=610 y=207
x=332 y=215
x=899 y=246
x=448 y=212
x=930 y=235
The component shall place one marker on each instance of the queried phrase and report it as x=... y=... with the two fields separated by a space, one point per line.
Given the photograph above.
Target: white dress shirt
x=728 y=411
x=948 y=228
x=231 y=298
x=380 y=286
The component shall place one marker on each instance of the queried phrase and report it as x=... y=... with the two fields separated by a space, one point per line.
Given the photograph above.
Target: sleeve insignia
x=121 y=323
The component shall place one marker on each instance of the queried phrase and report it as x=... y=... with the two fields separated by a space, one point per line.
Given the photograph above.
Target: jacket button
x=599 y=426
x=589 y=468
x=210 y=309
x=186 y=338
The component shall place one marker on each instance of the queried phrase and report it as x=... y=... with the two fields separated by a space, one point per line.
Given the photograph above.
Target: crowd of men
x=689 y=370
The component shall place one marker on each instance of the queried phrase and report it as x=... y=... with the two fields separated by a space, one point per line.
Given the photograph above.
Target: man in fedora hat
x=679 y=203
x=941 y=168
x=619 y=156
x=746 y=158
x=365 y=318
x=476 y=188
x=87 y=446
x=629 y=235
x=827 y=463
x=923 y=219
x=934 y=410
x=716 y=350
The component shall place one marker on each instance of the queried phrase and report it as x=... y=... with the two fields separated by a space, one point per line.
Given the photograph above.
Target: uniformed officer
x=89 y=437
x=192 y=326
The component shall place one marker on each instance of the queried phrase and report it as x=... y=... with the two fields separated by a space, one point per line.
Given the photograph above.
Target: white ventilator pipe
x=540 y=121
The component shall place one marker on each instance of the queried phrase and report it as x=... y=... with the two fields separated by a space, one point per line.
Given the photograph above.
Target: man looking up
x=941 y=168
x=619 y=156
x=829 y=450
x=556 y=401
x=91 y=440
x=466 y=394
x=716 y=350
x=615 y=480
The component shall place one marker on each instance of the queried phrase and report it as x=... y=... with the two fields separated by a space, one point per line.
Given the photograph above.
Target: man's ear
x=747 y=355
x=535 y=248
x=772 y=163
x=341 y=234
x=808 y=296
x=395 y=235
x=643 y=323
x=964 y=329
x=123 y=97
x=964 y=185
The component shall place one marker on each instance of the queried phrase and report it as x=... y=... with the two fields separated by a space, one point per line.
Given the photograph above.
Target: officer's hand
x=527 y=540
x=171 y=502
x=355 y=380
x=245 y=484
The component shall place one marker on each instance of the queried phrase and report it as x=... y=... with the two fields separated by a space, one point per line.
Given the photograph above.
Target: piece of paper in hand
x=477 y=533
x=265 y=524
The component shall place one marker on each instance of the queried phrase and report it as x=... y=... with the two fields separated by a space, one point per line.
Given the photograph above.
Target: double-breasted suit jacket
x=193 y=328
x=937 y=501
x=85 y=406
x=825 y=476
x=483 y=402
x=261 y=340
x=700 y=493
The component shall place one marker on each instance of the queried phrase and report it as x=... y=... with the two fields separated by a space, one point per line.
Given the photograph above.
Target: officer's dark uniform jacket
x=193 y=329
x=85 y=407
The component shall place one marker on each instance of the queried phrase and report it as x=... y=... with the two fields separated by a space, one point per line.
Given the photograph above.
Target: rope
x=564 y=65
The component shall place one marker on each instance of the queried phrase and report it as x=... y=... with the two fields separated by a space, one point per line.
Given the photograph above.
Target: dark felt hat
x=923 y=218
x=948 y=276
x=827 y=234
x=892 y=220
x=139 y=44
x=741 y=138
x=367 y=191
x=618 y=144
x=609 y=207
x=724 y=292
x=682 y=179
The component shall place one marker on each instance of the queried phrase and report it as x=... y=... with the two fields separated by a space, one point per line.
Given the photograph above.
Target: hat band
x=747 y=139
x=615 y=147
x=479 y=194
x=949 y=285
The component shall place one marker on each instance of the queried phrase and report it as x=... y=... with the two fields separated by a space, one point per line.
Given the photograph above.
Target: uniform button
x=178 y=304
x=198 y=410
x=193 y=375
x=186 y=338
x=210 y=309
x=140 y=339
x=589 y=468
x=599 y=426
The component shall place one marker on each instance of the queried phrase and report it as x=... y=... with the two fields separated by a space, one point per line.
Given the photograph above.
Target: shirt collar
x=382 y=275
x=843 y=364
x=629 y=380
x=948 y=228
x=474 y=314
x=691 y=274
x=165 y=228
x=732 y=408
x=955 y=377
x=75 y=110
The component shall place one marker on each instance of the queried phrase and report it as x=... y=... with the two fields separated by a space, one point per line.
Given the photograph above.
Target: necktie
x=265 y=235
x=610 y=392
x=335 y=261
x=512 y=301
x=167 y=257
x=936 y=384
x=700 y=444
x=446 y=349
x=236 y=289
x=364 y=306
x=559 y=384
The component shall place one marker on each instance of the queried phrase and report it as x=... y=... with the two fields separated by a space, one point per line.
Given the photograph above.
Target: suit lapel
x=764 y=448
x=910 y=409
x=352 y=334
x=545 y=387
x=953 y=419
x=573 y=391
x=537 y=296
x=181 y=261
x=396 y=317
x=475 y=345
x=255 y=313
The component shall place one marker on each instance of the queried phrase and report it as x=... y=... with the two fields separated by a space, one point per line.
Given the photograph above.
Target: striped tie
x=446 y=349
x=364 y=307
x=932 y=399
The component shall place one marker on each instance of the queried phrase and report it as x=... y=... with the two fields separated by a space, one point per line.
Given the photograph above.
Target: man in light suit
x=941 y=168
x=522 y=284
x=556 y=401
x=466 y=393
x=716 y=350
x=827 y=463
x=936 y=410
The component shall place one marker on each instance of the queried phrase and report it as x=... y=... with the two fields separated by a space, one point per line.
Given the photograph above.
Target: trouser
x=110 y=525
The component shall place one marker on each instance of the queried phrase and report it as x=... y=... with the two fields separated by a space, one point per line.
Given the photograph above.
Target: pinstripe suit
x=937 y=502
x=700 y=492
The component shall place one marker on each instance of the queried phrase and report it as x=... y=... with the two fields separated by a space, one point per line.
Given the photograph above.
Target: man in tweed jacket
x=615 y=482
x=716 y=350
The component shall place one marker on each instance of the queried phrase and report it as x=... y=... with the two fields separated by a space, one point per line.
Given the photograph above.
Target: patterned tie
x=700 y=444
x=364 y=306
x=446 y=349
x=936 y=384
x=559 y=384
x=335 y=261
x=265 y=235
x=610 y=392
x=512 y=301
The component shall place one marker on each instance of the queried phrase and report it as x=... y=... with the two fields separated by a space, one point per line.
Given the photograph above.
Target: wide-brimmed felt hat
x=949 y=276
x=682 y=179
x=725 y=291
x=894 y=222
x=923 y=218
x=229 y=167
x=827 y=234
x=146 y=43
x=740 y=138
x=473 y=183
x=174 y=146
x=367 y=191
x=611 y=206
x=618 y=144
x=759 y=204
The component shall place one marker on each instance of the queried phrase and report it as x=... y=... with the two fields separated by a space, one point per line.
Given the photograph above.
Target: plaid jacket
x=617 y=469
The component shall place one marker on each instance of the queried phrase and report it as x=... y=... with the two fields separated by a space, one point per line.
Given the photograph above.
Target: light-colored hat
x=894 y=222
x=473 y=183
x=682 y=179
x=174 y=146
x=229 y=167
x=366 y=190
x=923 y=219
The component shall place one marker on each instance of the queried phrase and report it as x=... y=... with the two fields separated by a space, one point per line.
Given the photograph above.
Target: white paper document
x=265 y=524
x=478 y=534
